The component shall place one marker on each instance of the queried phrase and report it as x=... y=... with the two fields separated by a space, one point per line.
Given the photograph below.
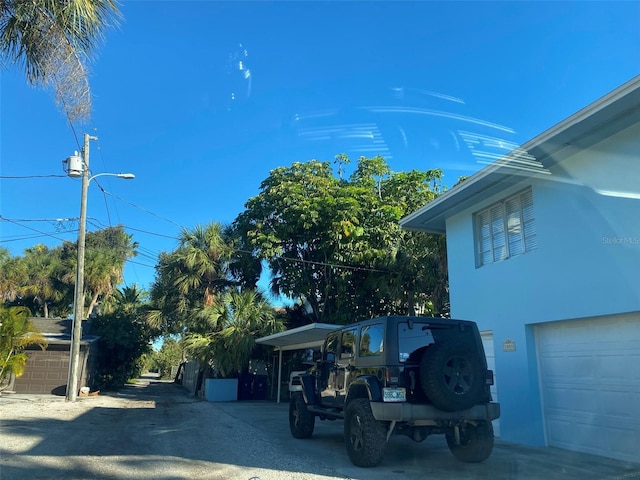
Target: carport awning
x=307 y=336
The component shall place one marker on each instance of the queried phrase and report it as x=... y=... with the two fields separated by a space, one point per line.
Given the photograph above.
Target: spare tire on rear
x=452 y=375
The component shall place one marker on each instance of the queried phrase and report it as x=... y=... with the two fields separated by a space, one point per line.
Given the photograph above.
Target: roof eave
x=431 y=218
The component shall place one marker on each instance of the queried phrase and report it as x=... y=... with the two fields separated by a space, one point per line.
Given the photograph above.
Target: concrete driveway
x=406 y=459
x=155 y=430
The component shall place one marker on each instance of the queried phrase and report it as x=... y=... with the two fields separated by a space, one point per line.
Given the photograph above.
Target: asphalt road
x=156 y=430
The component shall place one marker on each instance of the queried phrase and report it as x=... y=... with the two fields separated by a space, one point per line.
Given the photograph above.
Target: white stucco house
x=544 y=254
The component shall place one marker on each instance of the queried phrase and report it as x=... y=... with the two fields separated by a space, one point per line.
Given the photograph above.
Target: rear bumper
x=407 y=412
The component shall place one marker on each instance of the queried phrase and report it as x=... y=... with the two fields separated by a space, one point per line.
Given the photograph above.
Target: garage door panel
x=591 y=386
x=581 y=367
x=612 y=367
x=579 y=436
x=581 y=400
x=566 y=434
x=623 y=404
x=623 y=440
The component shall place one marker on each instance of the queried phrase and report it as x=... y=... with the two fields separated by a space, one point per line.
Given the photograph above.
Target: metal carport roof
x=307 y=336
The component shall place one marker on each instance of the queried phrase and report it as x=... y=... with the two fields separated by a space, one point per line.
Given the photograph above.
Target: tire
x=364 y=436
x=476 y=443
x=301 y=420
x=452 y=376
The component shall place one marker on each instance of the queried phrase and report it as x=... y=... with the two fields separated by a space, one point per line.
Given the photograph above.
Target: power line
x=41 y=219
x=143 y=209
x=106 y=204
x=174 y=237
x=332 y=265
x=33 y=229
x=27 y=237
x=31 y=176
x=139 y=263
x=104 y=167
x=287 y=259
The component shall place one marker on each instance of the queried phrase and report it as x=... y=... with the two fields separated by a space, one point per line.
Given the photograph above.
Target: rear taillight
x=392 y=376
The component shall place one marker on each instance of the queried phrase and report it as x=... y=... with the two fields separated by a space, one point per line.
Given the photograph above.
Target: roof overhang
x=610 y=114
x=307 y=336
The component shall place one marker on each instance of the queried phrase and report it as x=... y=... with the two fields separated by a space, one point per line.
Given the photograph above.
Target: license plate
x=394 y=394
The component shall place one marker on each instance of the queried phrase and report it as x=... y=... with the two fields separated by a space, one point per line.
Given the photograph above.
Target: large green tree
x=337 y=244
x=301 y=223
x=53 y=41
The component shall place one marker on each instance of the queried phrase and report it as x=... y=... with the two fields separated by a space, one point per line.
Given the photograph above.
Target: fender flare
x=308 y=389
x=370 y=384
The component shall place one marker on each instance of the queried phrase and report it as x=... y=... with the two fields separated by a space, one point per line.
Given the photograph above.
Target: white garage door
x=590 y=380
x=487 y=343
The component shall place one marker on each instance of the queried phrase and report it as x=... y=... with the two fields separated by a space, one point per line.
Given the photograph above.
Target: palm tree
x=53 y=39
x=12 y=275
x=236 y=319
x=41 y=265
x=204 y=254
x=128 y=299
x=16 y=333
x=100 y=276
x=107 y=251
x=189 y=280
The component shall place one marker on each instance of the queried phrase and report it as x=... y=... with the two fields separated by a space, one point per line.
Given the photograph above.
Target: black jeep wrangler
x=413 y=376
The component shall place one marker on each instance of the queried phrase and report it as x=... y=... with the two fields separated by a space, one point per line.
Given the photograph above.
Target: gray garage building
x=47 y=371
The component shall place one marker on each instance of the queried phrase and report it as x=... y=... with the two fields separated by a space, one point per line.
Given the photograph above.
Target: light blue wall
x=587 y=263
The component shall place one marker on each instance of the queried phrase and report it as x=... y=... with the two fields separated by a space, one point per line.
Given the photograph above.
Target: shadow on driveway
x=155 y=429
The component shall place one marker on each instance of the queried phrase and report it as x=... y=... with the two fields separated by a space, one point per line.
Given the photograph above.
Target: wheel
x=452 y=376
x=301 y=420
x=476 y=443
x=365 y=437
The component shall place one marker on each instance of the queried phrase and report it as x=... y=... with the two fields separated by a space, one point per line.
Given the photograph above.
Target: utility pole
x=78 y=296
x=79 y=167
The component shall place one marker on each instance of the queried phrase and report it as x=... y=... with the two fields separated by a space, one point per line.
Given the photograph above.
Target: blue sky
x=200 y=100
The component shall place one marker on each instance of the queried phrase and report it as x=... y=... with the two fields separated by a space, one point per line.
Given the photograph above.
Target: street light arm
x=126 y=176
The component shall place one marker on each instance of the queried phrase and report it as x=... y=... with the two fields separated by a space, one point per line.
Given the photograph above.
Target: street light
x=76 y=167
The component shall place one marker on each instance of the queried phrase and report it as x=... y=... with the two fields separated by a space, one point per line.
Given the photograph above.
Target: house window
x=506 y=229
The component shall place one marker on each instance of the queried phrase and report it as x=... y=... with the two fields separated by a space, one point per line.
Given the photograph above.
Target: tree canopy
x=198 y=295
x=43 y=278
x=53 y=40
x=336 y=243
